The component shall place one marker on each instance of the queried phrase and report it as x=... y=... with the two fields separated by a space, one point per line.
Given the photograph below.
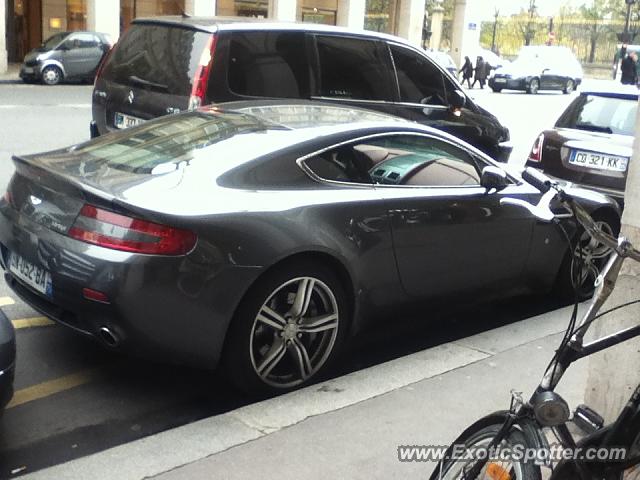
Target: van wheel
x=287 y=330
x=51 y=75
x=534 y=86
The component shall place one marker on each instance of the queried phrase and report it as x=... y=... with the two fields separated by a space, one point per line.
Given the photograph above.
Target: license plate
x=500 y=80
x=125 y=121
x=599 y=161
x=34 y=276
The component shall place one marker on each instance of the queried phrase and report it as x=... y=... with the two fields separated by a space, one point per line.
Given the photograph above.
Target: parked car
x=266 y=233
x=445 y=61
x=591 y=143
x=66 y=56
x=539 y=68
x=171 y=64
x=7 y=360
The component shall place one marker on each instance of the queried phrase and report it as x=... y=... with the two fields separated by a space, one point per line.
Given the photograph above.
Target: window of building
x=419 y=79
x=130 y=9
x=380 y=15
x=353 y=68
x=242 y=8
x=269 y=64
x=63 y=16
x=318 y=11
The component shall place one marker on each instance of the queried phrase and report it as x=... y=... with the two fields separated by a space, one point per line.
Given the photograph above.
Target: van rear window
x=158 y=57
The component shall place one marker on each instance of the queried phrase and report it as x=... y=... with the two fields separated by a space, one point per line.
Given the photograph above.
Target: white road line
x=61 y=105
x=4 y=301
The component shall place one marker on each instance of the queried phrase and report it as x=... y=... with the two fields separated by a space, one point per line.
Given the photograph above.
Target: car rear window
x=158 y=57
x=600 y=114
x=160 y=146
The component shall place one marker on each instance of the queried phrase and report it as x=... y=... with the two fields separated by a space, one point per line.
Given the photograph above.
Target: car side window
x=268 y=64
x=82 y=40
x=352 y=68
x=420 y=161
x=419 y=80
x=342 y=164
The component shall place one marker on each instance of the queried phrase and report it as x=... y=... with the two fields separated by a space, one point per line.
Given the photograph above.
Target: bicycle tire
x=479 y=435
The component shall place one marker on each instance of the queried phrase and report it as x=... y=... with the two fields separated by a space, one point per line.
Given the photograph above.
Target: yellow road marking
x=52 y=387
x=32 y=322
x=4 y=301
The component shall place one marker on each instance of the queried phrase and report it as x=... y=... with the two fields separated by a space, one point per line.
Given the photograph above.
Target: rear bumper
x=174 y=309
x=508 y=83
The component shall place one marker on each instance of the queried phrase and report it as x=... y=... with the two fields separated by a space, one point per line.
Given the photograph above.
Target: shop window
x=318 y=11
x=242 y=8
x=380 y=15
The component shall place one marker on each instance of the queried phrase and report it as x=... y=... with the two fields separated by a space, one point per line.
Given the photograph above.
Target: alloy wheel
x=51 y=75
x=589 y=257
x=534 y=86
x=294 y=332
x=569 y=87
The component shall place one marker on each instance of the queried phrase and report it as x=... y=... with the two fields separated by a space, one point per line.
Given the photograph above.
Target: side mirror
x=457 y=100
x=493 y=178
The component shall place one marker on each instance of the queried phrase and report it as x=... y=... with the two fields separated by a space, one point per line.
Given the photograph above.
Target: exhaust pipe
x=109 y=337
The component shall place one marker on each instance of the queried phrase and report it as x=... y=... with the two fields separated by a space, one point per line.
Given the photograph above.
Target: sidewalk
x=350 y=427
x=11 y=75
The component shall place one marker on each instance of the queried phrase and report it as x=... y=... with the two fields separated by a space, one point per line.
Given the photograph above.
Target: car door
x=450 y=235
x=81 y=55
x=353 y=71
x=424 y=97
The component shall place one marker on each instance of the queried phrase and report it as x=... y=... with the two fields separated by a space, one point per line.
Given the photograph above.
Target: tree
x=593 y=16
x=528 y=24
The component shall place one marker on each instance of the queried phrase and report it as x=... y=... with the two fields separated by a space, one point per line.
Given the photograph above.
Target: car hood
x=611 y=144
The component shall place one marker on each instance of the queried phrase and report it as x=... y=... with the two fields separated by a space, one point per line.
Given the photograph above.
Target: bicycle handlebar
x=542 y=211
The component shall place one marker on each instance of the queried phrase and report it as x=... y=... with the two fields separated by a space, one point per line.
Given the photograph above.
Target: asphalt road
x=73 y=398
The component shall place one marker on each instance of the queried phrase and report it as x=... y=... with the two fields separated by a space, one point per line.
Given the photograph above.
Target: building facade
x=25 y=24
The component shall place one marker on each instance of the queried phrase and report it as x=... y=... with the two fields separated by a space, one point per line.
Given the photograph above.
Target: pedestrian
x=467 y=71
x=628 y=69
x=481 y=73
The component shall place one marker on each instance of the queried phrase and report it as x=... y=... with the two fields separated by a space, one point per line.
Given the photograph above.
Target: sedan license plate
x=599 y=161
x=125 y=121
x=500 y=80
x=34 y=276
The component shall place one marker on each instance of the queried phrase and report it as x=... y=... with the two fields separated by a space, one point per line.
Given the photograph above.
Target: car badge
x=130 y=97
x=35 y=200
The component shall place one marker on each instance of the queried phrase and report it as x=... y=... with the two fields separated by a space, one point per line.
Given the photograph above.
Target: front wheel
x=51 y=75
x=475 y=441
x=289 y=328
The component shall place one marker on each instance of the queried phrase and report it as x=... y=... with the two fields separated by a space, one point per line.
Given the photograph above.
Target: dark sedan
x=265 y=235
x=592 y=140
x=7 y=360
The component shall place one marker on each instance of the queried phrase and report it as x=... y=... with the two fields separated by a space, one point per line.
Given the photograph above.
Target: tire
x=481 y=435
x=569 y=87
x=51 y=75
x=570 y=272
x=272 y=348
x=534 y=86
x=496 y=90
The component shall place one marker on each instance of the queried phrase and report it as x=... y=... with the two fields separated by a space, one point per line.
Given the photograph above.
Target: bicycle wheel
x=476 y=440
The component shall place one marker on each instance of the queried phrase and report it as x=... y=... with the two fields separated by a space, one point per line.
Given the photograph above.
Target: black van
x=170 y=64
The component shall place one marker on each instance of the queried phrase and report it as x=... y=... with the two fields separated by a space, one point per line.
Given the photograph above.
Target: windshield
x=600 y=114
x=53 y=41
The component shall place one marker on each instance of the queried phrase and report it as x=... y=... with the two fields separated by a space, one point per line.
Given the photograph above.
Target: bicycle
x=478 y=453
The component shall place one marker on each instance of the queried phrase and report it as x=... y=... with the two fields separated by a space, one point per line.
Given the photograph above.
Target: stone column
x=104 y=16
x=351 y=14
x=200 y=8
x=437 y=17
x=613 y=373
x=3 y=34
x=410 y=20
x=283 y=10
x=466 y=29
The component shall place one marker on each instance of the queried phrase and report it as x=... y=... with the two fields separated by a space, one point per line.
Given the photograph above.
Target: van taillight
x=536 y=150
x=119 y=232
x=201 y=78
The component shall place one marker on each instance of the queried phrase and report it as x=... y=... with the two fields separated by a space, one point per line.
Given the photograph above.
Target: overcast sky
x=545 y=7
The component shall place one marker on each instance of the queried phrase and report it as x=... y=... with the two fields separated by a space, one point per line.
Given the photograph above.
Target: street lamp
x=625 y=35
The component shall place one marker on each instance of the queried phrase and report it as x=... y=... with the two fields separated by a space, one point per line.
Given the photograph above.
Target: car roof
x=612 y=90
x=220 y=24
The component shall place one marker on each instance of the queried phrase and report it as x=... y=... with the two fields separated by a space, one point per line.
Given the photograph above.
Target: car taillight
x=112 y=230
x=536 y=150
x=103 y=62
x=201 y=78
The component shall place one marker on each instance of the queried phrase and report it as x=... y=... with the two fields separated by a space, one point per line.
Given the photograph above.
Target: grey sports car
x=266 y=234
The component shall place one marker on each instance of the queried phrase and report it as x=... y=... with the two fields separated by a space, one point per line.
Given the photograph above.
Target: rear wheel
x=496 y=90
x=479 y=439
x=288 y=329
x=583 y=264
x=569 y=87
x=51 y=75
x=534 y=86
